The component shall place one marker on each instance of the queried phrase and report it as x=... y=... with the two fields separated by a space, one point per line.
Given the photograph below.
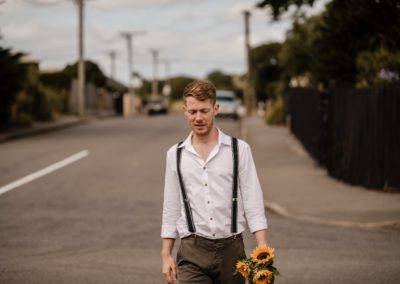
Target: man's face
x=200 y=115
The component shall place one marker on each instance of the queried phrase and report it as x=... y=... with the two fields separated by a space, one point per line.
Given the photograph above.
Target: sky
x=196 y=37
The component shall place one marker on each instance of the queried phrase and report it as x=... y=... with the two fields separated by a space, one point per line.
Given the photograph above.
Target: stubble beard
x=206 y=129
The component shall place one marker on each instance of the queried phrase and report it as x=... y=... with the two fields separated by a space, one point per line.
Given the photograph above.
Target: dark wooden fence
x=354 y=133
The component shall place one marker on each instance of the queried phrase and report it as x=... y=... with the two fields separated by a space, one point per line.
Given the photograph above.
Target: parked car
x=156 y=106
x=229 y=104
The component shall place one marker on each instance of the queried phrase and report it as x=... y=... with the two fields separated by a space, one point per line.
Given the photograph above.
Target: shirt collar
x=223 y=139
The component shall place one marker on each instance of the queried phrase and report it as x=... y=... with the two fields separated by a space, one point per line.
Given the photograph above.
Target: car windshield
x=225 y=99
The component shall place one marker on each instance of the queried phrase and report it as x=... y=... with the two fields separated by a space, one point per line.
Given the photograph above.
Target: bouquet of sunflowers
x=258 y=269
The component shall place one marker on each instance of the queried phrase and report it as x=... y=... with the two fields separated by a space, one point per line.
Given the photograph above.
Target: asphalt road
x=97 y=220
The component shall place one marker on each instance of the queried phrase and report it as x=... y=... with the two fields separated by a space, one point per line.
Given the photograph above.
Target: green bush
x=42 y=104
x=275 y=114
x=378 y=68
x=23 y=120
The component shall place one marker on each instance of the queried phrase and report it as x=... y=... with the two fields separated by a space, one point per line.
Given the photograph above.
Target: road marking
x=44 y=171
x=278 y=209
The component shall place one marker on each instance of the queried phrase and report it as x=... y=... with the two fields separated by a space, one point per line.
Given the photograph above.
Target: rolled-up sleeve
x=251 y=191
x=172 y=205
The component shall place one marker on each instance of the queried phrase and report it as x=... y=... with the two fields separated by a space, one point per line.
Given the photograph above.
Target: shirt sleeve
x=172 y=204
x=251 y=191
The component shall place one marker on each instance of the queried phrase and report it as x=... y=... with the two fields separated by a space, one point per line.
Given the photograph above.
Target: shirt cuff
x=261 y=225
x=169 y=232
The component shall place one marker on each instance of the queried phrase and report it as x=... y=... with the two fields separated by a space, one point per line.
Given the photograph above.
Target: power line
x=95 y=32
x=129 y=40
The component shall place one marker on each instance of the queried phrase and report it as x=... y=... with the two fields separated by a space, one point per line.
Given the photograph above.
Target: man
x=211 y=190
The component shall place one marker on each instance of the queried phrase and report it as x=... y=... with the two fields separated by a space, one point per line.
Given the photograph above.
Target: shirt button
x=205 y=184
x=213 y=235
x=211 y=219
x=204 y=168
x=208 y=202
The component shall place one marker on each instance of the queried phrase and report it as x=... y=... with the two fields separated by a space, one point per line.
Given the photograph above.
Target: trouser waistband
x=213 y=241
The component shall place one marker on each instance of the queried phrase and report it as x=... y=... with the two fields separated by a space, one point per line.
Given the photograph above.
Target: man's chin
x=201 y=131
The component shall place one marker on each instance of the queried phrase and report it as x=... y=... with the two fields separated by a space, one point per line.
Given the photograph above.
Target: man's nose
x=199 y=116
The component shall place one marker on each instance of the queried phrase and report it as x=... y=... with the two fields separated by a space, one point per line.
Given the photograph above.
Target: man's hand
x=169 y=269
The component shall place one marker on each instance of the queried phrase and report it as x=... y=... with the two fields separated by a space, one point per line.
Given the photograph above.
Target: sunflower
x=263 y=277
x=262 y=254
x=243 y=269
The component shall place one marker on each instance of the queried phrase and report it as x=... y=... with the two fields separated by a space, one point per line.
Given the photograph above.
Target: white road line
x=44 y=171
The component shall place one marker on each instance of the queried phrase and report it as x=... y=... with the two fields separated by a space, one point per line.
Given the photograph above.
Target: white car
x=229 y=104
x=156 y=106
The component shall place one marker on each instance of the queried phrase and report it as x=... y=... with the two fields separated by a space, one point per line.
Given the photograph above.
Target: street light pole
x=154 y=85
x=81 y=63
x=113 y=55
x=248 y=96
x=129 y=39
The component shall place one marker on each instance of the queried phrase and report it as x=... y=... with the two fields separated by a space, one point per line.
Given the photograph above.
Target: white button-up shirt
x=208 y=186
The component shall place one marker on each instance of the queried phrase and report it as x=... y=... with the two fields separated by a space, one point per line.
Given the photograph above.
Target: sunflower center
x=263 y=255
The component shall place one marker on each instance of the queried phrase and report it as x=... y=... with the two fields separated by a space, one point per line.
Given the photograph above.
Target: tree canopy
x=278 y=7
x=328 y=48
x=13 y=74
x=266 y=70
x=177 y=85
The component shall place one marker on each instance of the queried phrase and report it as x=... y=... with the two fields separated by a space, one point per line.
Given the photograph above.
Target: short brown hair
x=201 y=90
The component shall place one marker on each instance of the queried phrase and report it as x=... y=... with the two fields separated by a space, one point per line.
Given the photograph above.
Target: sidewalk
x=295 y=187
x=43 y=127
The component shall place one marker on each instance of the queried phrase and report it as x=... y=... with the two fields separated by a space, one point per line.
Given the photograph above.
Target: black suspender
x=235 y=185
x=188 y=211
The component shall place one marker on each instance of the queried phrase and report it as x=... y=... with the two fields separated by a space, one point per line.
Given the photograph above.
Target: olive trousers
x=209 y=261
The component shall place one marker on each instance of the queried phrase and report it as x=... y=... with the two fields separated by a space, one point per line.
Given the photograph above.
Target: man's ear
x=216 y=108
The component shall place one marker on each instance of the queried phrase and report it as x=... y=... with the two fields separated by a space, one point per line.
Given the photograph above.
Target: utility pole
x=167 y=79
x=113 y=55
x=248 y=95
x=129 y=39
x=154 y=85
x=81 y=63
x=167 y=67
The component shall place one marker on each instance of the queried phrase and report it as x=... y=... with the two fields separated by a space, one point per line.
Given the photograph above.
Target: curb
x=37 y=131
x=393 y=225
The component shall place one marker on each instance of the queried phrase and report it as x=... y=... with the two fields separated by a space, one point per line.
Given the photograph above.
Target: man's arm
x=261 y=237
x=252 y=195
x=169 y=267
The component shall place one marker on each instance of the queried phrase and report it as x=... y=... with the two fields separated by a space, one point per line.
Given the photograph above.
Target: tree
x=177 y=85
x=93 y=73
x=62 y=80
x=278 y=7
x=378 y=68
x=13 y=73
x=347 y=29
x=266 y=70
x=297 y=53
x=221 y=80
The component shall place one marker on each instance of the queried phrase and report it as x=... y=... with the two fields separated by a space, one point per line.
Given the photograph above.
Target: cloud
x=17 y=31
x=123 y=4
x=198 y=36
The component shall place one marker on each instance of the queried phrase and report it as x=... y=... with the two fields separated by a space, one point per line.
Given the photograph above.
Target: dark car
x=156 y=106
